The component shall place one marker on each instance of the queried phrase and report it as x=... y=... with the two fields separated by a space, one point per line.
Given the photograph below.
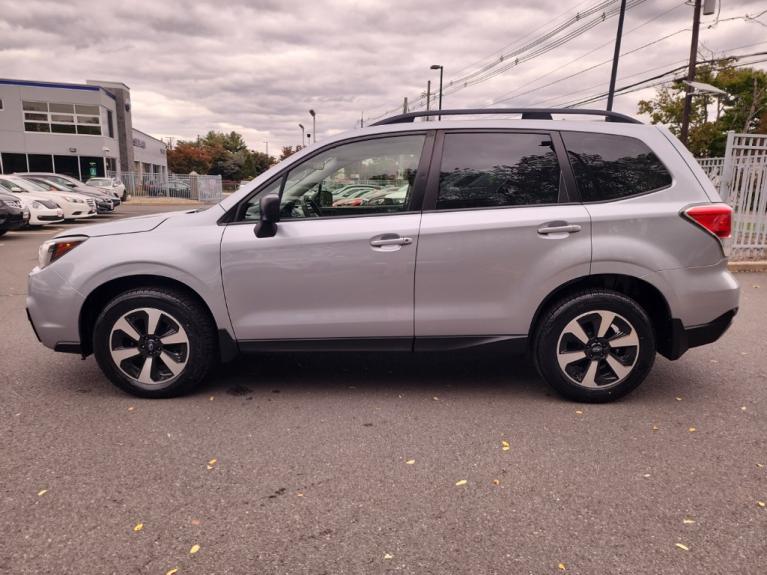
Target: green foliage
x=221 y=154
x=744 y=109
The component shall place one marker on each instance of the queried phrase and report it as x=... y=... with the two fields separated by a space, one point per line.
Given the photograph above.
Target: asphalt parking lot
x=377 y=463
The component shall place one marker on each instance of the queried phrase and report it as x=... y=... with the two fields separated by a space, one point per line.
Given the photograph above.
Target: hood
x=134 y=225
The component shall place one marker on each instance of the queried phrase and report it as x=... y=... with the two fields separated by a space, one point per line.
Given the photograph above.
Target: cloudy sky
x=258 y=66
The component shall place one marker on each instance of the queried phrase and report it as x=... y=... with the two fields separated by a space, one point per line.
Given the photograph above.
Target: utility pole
x=614 y=73
x=685 y=131
x=362 y=119
x=404 y=106
x=267 y=147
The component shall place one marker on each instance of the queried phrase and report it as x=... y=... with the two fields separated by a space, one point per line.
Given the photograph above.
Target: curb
x=755 y=266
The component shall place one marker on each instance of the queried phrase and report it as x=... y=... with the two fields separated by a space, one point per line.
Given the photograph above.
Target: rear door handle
x=563 y=229
x=389 y=241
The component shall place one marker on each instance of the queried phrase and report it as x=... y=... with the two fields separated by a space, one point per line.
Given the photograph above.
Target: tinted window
x=609 y=167
x=383 y=168
x=497 y=169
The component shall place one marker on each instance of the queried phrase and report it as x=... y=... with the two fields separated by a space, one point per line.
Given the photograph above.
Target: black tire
x=176 y=308
x=3 y=232
x=555 y=337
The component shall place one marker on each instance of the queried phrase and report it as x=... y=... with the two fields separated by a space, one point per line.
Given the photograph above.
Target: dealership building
x=82 y=130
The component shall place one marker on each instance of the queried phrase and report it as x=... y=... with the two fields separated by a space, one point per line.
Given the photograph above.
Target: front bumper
x=683 y=338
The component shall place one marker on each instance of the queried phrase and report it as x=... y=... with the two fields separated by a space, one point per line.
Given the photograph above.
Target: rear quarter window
x=609 y=167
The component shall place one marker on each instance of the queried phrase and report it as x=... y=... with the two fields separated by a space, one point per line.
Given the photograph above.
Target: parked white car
x=74 y=206
x=110 y=185
x=42 y=212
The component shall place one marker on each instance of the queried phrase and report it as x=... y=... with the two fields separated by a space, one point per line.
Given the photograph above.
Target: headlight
x=37 y=205
x=74 y=200
x=53 y=249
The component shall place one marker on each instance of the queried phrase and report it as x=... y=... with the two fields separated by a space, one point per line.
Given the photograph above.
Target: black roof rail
x=527 y=114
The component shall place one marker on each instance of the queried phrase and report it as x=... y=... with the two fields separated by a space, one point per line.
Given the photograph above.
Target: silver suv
x=590 y=245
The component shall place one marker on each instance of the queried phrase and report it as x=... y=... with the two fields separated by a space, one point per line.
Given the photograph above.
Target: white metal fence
x=182 y=186
x=741 y=178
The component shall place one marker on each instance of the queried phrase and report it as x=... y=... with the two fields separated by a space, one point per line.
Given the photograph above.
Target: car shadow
x=390 y=372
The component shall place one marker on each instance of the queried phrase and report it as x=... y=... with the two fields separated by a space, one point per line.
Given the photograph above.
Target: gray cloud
x=257 y=67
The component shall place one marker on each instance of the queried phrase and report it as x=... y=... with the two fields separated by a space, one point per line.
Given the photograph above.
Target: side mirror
x=270 y=215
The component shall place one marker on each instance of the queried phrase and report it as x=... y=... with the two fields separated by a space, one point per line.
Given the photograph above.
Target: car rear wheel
x=154 y=342
x=595 y=346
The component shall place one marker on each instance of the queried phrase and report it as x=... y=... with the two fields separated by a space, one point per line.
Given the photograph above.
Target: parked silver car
x=590 y=245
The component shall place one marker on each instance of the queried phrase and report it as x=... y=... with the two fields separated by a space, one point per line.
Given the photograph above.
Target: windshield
x=24 y=184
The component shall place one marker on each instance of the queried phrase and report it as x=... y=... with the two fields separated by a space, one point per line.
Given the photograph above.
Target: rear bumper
x=683 y=338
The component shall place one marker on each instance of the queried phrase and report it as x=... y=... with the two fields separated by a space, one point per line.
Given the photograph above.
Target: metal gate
x=741 y=177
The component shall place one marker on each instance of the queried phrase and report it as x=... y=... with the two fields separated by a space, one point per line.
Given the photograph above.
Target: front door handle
x=390 y=241
x=559 y=229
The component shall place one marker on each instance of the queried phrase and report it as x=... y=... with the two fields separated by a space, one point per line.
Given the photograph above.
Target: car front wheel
x=595 y=346
x=154 y=342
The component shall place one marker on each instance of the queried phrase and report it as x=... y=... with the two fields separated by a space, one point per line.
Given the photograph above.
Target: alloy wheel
x=598 y=349
x=149 y=346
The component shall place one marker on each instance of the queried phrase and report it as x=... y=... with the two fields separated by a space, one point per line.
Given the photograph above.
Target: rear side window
x=609 y=167
x=496 y=170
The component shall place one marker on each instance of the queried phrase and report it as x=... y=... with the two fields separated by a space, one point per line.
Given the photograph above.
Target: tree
x=186 y=157
x=288 y=151
x=744 y=109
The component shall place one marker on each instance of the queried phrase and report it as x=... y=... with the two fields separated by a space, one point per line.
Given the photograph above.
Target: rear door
x=502 y=228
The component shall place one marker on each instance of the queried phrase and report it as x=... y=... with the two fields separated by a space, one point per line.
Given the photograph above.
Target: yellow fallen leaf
x=461 y=482
x=212 y=461
x=138 y=527
x=688 y=521
x=435 y=398
x=505 y=445
x=646 y=475
x=172 y=571
x=678 y=398
x=578 y=412
x=42 y=492
x=410 y=462
x=195 y=521
x=743 y=408
x=682 y=546
x=761 y=503
x=195 y=548
x=496 y=481
x=692 y=430
x=760 y=465
x=655 y=428
x=299 y=494
x=561 y=567
x=211 y=398
x=131 y=408
x=388 y=556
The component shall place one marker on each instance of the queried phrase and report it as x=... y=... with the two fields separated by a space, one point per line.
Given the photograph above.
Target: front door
x=500 y=231
x=341 y=266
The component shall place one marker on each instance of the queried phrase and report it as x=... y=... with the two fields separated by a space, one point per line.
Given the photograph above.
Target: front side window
x=609 y=167
x=485 y=170
x=384 y=170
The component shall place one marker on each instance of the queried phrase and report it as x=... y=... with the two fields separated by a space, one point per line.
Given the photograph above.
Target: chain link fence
x=196 y=187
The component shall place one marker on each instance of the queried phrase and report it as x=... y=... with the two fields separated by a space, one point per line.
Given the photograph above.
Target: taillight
x=714 y=218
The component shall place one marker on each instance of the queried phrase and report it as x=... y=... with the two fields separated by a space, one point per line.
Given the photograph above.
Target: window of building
x=1 y=103
x=14 y=163
x=497 y=170
x=110 y=125
x=40 y=162
x=61 y=118
x=67 y=165
x=609 y=167
x=91 y=167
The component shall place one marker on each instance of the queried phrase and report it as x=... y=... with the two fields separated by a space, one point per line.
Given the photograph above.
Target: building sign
x=138 y=143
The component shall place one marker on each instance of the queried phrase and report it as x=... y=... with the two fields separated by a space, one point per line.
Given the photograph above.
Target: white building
x=77 y=129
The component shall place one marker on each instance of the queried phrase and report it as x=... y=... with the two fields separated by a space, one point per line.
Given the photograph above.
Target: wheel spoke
x=174 y=366
x=123 y=326
x=620 y=370
x=589 y=378
x=575 y=329
x=146 y=372
x=607 y=319
x=177 y=337
x=119 y=355
x=624 y=340
x=568 y=357
x=153 y=318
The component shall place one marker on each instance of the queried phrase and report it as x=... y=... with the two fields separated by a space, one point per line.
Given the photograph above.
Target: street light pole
x=428 y=98
x=267 y=147
x=303 y=134
x=314 y=125
x=614 y=73
x=441 y=71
